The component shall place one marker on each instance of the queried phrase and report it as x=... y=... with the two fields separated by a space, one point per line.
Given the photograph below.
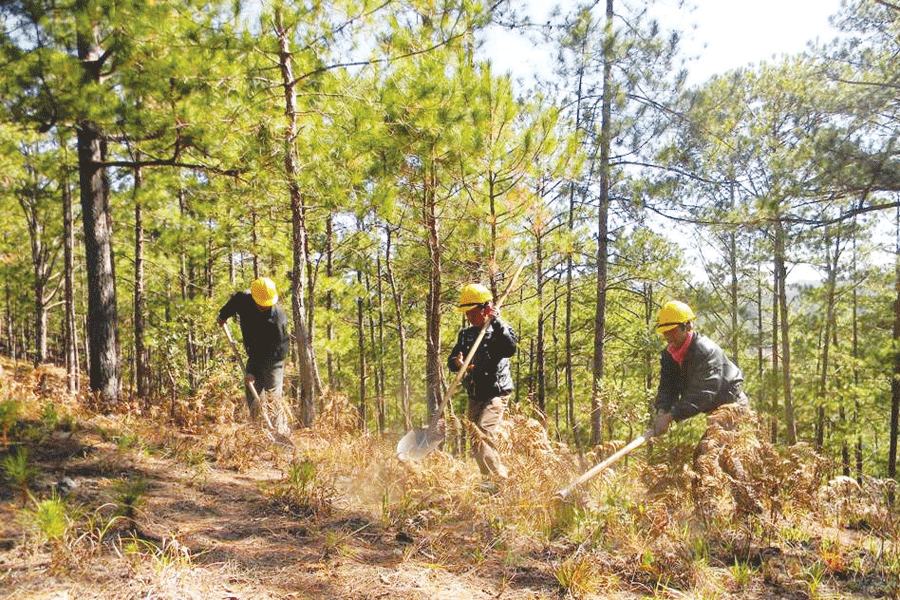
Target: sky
x=721 y=34
x=737 y=32
x=728 y=33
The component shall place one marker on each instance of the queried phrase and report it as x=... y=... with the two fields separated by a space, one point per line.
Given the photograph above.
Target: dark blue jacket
x=705 y=380
x=490 y=376
x=265 y=332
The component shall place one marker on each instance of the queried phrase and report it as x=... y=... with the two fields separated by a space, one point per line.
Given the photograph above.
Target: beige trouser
x=487 y=415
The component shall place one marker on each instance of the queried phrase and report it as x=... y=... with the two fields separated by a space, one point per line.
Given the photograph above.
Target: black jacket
x=490 y=376
x=705 y=380
x=265 y=332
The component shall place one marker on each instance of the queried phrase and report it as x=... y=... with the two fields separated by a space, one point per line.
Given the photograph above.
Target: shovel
x=592 y=472
x=419 y=441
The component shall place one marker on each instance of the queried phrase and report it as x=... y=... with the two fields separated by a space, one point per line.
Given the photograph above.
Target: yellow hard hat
x=673 y=314
x=264 y=292
x=472 y=295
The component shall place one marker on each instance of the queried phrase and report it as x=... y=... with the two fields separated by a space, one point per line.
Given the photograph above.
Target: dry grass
x=188 y=502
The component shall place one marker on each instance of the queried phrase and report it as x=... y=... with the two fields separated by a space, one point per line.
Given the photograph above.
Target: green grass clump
x=20 y=472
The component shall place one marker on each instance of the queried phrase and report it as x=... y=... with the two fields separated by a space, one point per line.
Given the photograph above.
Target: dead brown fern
x=846 y=503
x=338 y=416
x=718 y=468
x=242 y=446
x=789 y=478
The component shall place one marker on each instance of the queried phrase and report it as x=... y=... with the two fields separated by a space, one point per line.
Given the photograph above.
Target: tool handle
x=462 y=369
x=592 y=472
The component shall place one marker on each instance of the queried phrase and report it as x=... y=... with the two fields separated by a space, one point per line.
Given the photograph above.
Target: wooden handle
x=462 y=369
x=591 y=473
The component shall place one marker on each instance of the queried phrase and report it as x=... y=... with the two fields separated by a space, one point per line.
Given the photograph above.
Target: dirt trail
x=242 y=543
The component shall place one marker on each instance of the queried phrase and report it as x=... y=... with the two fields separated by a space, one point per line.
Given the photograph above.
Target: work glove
x=661 y=423
x=459 y=361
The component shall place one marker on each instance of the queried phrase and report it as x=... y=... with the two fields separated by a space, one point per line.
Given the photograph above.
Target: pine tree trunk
x=101 y=279
x=733 y=287
x=329 y=297
x=760 y=358
x=28 y=203
x=102 y=317
x=602 y=231
x=72 y=366
x=140 y=352
x=379 y=349
x=433 y=366
x=540 y=388
x=571 y=422
x=306 y=368
x=650 y=360
x=830 y=324
x=895 y=380
x=781 y=269
x=776 y=352
x=361 y=348
x=856 y=409
x=401 y=331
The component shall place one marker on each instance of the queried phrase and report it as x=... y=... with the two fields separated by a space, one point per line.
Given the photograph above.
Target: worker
x=697 y=377
x=695 y=374
x=264 y=327
x=487 y=380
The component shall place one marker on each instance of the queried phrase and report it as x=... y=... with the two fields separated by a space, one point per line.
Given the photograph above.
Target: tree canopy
x=368 y=158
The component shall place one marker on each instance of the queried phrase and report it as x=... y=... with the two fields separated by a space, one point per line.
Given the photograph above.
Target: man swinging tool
x=488 y=380
x=264 y=327
x=696 y=376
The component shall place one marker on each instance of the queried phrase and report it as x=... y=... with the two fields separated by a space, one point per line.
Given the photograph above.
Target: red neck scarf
x=678 y=353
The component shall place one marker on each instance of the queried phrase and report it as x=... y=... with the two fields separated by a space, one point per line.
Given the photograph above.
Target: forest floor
x=205 y=508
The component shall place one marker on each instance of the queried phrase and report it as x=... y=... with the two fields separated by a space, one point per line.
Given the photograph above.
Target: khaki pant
x=487 y=415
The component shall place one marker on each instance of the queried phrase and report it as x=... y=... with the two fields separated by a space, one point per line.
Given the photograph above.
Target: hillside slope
x=195 y=507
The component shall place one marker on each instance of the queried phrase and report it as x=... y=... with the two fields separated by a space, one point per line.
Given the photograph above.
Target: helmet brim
x=464 y=308
x=664 y=327
x=266 y=303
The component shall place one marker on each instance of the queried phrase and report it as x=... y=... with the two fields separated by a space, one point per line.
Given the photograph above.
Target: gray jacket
x=705 y=380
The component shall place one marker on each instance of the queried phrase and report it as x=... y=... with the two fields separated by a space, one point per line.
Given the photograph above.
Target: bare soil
x=234 y=540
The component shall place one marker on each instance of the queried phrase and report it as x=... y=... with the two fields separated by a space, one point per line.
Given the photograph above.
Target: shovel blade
x=418 y=443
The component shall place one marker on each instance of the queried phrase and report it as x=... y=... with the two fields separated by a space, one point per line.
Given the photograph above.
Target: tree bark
x=93 y=182
x=602 y=230
x=776 y=352
x=72 y=367
x=361 y=348
x=306 y=368
x=401 y=331
x=856 y=411
x=101 y=280
x=40 y=265
x=433 y=364
x=329 y=296
x=895 y=380
x=379 y=349
x=831 y=266
x=760 y=358
x=141 y=372
x=785 y=341
x=540 y=384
